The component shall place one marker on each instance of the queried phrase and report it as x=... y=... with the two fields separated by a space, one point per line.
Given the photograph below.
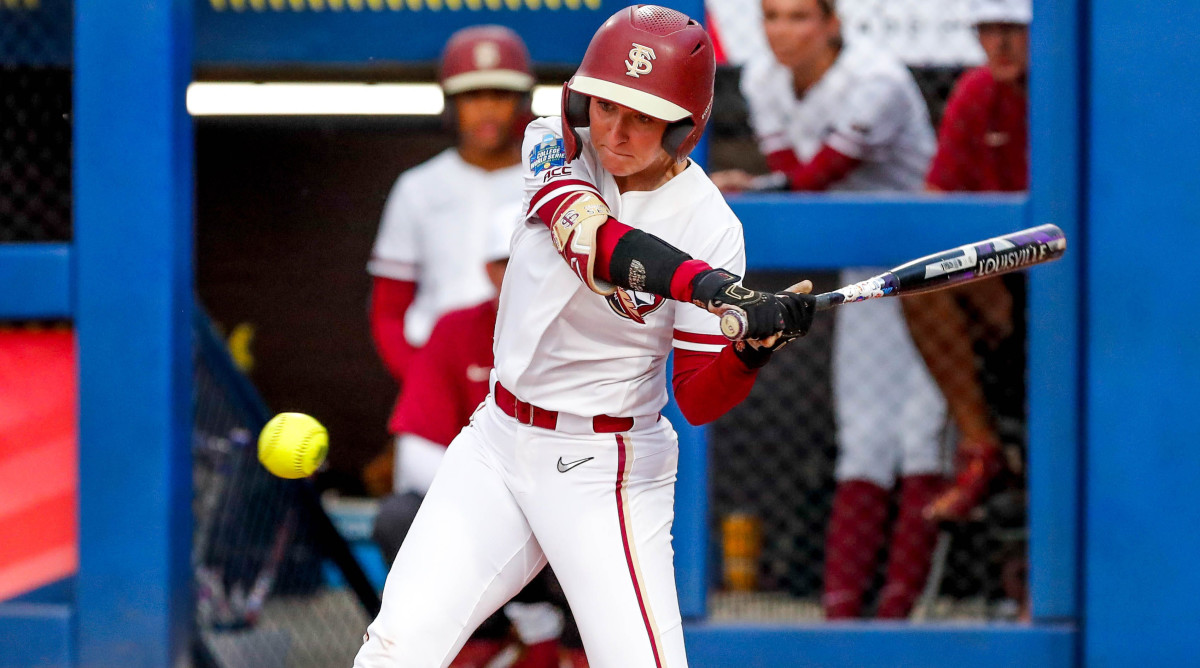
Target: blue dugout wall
x=1113 y=366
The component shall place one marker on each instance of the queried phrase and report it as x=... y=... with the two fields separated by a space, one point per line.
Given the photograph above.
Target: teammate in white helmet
x=569 y=460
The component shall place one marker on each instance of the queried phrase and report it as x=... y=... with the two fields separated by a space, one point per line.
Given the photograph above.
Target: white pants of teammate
x=891 y=416
x=499 y=508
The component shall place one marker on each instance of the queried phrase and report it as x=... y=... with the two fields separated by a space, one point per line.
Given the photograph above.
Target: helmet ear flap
x=574 y=115
x=675 y=136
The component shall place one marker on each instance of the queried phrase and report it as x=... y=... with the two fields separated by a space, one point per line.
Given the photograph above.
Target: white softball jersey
x=434 y=232
x=867 y=106
x=565 y=348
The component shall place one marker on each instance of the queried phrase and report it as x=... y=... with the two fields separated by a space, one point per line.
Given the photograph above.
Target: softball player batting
x=568 y=460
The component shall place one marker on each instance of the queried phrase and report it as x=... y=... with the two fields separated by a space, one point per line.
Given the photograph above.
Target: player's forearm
x=630 y=258
x=624 y=256
x=708 y=385
x=826 y=168
x=390 y=300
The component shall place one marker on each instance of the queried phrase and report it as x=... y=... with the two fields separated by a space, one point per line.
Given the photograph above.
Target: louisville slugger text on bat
x=972 y=262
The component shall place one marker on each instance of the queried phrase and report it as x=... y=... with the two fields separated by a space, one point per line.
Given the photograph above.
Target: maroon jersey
x=983 y=144
x=448 y=378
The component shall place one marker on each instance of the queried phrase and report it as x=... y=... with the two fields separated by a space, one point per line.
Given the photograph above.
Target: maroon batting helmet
x=485 y=57
x=653 y=60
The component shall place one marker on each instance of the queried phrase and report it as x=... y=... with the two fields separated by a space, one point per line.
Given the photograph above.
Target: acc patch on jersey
x=549 y=153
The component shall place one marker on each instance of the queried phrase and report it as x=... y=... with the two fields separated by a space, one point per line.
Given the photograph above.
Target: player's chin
x=488 y=137
x=617 y=164
x=1006 y=72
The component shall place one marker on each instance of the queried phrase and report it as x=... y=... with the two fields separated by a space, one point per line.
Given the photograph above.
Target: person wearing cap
x=983 y=145
x=428 y=256
x=625 y=253
x=983 y=142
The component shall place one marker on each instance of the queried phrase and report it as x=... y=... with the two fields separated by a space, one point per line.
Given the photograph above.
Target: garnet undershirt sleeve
x=390 y=300
x=827 y=167
x=708 y=384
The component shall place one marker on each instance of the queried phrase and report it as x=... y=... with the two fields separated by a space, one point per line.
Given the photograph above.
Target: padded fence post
x=133 y=291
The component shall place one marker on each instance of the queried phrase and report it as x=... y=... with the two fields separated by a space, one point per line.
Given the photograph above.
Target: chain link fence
x=779 y=479
x=263 y=598
x=35 y=120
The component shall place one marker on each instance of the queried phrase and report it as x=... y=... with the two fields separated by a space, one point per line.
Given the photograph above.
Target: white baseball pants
x=507 y=498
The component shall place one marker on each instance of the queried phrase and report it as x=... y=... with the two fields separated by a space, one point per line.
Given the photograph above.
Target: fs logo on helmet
x=639 y=61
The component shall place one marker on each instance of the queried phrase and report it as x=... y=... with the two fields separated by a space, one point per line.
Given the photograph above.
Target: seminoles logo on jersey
x=639 y=61
x=633 y=304
x=549 y=153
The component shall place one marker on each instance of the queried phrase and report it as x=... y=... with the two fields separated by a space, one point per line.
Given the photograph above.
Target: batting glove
x=788 y=313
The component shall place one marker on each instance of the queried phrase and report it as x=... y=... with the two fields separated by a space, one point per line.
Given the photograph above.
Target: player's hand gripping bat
x=972 y=262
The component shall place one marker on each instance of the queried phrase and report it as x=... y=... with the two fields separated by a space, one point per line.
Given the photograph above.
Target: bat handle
x=827 y=300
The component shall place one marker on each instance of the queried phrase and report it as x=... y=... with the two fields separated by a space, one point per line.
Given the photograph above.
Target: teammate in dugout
x=429 y=252
x=569 y=461
x=837 y=116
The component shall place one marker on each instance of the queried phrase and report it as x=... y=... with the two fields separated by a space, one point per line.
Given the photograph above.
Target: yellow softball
x=292 y=445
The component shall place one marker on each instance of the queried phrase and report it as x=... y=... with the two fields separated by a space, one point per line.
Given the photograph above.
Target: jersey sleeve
x=875 y=113
x=548 y=176
x=695 y=328
x=395 y=254
x=767 y=107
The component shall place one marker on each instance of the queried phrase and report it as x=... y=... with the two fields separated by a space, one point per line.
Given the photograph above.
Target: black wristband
x=753 y=358
x=644 y=262
x=707 y=285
